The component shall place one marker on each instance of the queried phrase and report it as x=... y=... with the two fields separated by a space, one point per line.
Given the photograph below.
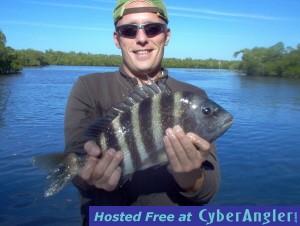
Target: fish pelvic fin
x=124 y=179
x=61 y=169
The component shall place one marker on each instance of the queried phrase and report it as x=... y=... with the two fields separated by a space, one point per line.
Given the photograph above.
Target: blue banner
x=194 y=215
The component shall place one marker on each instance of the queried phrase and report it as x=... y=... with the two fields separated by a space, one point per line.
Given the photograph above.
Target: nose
x=141 y=37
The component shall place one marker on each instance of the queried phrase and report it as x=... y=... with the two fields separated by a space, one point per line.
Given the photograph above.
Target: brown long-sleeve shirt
x=91 y=97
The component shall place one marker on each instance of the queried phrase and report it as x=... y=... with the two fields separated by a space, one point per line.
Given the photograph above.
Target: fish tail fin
x=61 y=169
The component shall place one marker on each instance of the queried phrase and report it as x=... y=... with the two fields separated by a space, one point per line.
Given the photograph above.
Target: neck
x=143 y=77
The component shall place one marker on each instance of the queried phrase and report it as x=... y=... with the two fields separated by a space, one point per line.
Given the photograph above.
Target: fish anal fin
x=160 y=157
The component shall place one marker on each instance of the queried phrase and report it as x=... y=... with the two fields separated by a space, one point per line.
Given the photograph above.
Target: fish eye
x=206 y=110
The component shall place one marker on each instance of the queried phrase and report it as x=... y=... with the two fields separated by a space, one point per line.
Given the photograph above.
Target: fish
x=136 y=127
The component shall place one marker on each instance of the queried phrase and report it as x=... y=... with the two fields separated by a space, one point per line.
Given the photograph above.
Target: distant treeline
x=273 y=61
x=276 y=60
x=49 y=57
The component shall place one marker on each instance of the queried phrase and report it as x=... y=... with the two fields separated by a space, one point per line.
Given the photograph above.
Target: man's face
x=142 y=54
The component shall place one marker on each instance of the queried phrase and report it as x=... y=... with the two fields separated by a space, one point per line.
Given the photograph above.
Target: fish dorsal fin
x=139 y=94
x=163 y=88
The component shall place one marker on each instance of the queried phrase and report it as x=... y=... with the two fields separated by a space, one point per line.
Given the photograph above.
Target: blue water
x=259 y=156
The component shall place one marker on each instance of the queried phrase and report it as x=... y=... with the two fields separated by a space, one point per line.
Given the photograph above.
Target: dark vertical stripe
x=146 y=128
x=111 y=138
x=126 y=122
x=167 y=111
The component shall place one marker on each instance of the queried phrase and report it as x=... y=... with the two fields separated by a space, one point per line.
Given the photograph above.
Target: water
x=259 y=156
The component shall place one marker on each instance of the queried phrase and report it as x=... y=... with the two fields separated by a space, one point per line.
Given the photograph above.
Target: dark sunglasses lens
x=152 y=30
x=128 y=31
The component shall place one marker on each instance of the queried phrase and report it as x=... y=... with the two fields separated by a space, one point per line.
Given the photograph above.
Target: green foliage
x=273 y=61
x=9 y=58
x=192 y=63
x=81 y=59
x=50 y=57
x=32 y=57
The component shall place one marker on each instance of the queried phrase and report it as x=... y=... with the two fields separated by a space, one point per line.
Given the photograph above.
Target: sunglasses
x=131 y=30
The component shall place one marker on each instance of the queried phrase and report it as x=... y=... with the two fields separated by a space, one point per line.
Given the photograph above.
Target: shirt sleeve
x=212 y=180
x=80 y=110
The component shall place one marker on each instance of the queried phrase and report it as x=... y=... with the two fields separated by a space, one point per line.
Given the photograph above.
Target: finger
x=201 y=144
x=114 y=164
x=174 y=137
x=172 y=157
x=87 y=170
x=114 y=179
x=112 y=182
x=102 y=165
x=188 y=147
x=109 y=179
x=92 y=148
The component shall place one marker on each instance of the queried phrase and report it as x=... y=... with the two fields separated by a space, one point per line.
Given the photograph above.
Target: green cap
x=157 y=6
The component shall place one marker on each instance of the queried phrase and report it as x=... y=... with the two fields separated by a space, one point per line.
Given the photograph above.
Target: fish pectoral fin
x=97 y=127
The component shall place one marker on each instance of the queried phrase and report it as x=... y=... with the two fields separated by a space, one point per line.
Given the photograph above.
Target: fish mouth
x=224 y=127
x=227 y=123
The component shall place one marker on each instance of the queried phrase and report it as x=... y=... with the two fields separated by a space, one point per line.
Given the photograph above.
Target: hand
x=186 y=153
x=104 y=172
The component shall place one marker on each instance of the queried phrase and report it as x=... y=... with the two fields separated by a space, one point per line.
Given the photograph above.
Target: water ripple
x=259 y=155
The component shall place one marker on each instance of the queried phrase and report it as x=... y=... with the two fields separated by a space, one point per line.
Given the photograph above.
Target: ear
x=168 y=35
x=116 y=39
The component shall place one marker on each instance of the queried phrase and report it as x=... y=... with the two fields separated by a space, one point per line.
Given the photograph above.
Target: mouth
x=142 y=52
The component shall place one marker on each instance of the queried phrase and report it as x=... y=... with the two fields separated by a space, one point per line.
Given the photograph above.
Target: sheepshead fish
x=136 y=127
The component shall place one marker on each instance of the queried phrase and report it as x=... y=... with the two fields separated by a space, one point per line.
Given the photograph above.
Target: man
x=192 y=175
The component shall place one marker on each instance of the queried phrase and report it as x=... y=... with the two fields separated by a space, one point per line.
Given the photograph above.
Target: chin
x=144 y=69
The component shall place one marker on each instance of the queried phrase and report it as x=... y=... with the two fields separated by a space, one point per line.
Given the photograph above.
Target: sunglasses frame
x=141 y=26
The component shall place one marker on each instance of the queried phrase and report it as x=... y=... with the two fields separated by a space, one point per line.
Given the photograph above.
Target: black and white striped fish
x=136 y=127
